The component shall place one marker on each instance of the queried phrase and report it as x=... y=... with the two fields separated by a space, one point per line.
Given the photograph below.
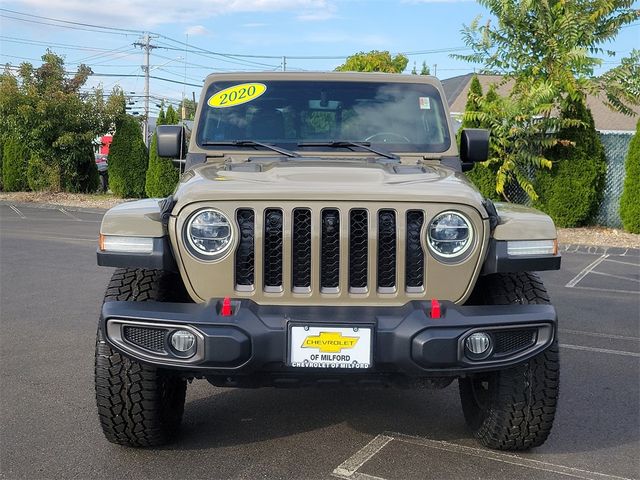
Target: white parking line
x=609 y=260
x=612 y=290
x=604 y=335
x=18 y=212
x=572 y=283
x=349 y=468
x=620 y=277
x=600 y=350
x=70 y=215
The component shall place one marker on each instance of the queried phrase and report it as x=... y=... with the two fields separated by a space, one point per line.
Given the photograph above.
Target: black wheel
x=513 y=409
x=138 y=405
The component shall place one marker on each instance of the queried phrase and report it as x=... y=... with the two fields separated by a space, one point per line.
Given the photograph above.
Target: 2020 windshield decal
x=237 y=95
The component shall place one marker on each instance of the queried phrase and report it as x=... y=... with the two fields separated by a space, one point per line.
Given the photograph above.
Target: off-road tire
x=513 y=409
x=138 y=405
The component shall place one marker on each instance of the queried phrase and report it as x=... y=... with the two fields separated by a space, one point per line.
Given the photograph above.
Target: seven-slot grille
x=329 y=250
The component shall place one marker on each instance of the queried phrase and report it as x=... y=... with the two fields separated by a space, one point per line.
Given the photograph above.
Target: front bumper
x=254 y=339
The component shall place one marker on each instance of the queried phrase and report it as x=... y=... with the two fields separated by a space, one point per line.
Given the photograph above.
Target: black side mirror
x=474 y=147
x=171 y=141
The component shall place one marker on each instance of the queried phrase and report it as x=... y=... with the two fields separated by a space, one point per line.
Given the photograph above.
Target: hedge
x=14 y=165
x=162 y=175
x=572 y=190
x=630 y=200
x=128 y=159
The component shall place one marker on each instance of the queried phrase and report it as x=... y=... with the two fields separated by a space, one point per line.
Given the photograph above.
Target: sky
x=243 y=31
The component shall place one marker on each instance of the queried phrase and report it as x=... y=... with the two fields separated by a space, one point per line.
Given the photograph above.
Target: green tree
x=128 y=159
x=555 y=42
x=521 y=129
x=56 y=122
x=630 y=201
x=14 y=165
x=162 y=175
x=172 y=117
x=571 y=192
x=482 y=175
x=189 y=108
x=374 y=61
x=425 y=70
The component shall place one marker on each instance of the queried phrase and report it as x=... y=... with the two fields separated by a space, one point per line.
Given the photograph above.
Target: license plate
x=330 y=347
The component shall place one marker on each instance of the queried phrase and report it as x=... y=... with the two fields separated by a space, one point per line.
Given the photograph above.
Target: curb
x=53 y=206
x=600 y=250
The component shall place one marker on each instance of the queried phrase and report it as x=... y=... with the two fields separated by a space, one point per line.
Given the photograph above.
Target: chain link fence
x=616 y=146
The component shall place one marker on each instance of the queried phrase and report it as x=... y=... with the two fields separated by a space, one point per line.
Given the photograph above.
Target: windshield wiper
x=349 y=144
x=251 y=143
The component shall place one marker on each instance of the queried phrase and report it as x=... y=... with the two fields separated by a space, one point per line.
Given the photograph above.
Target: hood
x=311 y=179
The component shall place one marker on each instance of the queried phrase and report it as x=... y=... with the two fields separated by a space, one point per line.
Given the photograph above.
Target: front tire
x=138 y=405
x=513 y=409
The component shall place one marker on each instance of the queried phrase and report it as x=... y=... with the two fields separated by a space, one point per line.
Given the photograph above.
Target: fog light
x=183 y=341
x=478 y=343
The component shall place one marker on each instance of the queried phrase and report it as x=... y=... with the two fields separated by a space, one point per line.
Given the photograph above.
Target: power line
x=81 y=24
x=72 y=27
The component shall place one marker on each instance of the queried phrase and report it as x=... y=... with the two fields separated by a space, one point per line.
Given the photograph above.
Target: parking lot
x=50 y=296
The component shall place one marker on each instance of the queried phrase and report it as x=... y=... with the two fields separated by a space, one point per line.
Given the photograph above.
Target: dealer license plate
x=330 y=347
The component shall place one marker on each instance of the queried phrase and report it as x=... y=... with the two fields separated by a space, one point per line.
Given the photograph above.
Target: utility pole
x=284 y=64
x=145 y=44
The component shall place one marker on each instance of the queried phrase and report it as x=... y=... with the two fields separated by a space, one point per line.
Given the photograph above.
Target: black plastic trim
x=160 y=259
x=407 y=341
x=499 y=261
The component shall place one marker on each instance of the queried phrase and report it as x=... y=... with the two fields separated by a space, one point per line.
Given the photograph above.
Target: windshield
x=302 y=115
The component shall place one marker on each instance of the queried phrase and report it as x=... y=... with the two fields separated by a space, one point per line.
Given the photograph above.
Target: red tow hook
x=436 y=310
x=226 y=310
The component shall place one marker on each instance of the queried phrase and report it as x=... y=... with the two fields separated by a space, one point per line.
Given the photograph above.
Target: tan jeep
x=323 y=233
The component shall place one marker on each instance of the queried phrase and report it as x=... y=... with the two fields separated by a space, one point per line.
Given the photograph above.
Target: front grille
x=152 y=339
x=358 y=249
x=386 y=249
x=245 y=269
x=508 y=342
x=414 y=265
x=301 y=245
x=273 y=248
x=330 y=251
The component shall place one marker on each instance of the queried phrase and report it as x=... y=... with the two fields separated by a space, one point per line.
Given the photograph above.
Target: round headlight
x=209 y=232
x=450 y=234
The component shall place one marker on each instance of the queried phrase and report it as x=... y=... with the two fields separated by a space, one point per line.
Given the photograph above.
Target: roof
x=456 y=90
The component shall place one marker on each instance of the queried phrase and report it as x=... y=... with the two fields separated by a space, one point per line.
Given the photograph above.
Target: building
x=457 y=89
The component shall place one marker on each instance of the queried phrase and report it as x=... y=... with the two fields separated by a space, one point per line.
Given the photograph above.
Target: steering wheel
x=386 y=137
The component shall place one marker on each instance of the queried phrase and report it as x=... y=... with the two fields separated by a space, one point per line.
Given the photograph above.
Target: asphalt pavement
x=50 y=295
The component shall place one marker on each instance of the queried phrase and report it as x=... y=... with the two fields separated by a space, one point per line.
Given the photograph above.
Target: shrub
x=630 y=201
x=14 y=165
x=162 y=175
x=483 y=176
x=128 y=159
x=572 y=190
x=43 y=175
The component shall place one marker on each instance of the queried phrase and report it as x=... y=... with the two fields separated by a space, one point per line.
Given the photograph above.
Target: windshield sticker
x=425 y=103
x=237 y=95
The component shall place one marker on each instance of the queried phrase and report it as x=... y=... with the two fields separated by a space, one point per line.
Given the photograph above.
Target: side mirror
x=171 y=141
x=474 y=146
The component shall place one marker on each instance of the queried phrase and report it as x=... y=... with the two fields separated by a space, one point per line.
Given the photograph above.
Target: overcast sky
x=276 y=28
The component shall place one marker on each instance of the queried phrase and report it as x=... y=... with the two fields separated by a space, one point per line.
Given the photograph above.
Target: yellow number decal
x=237 y=95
